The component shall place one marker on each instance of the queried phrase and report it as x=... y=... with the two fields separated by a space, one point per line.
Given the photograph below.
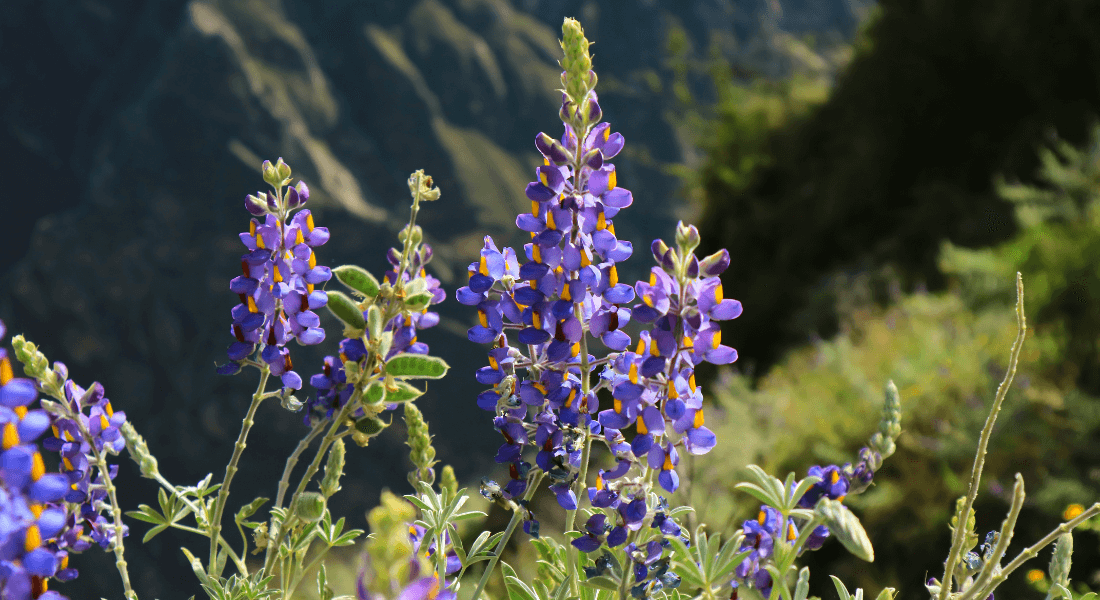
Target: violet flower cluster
x=45 y=516
x=761 y=534
x=279 y=275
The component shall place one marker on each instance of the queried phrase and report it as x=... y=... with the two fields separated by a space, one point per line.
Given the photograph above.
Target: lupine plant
x=590 y=382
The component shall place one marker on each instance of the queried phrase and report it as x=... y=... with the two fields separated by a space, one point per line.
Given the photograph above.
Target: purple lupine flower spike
x=277 y=284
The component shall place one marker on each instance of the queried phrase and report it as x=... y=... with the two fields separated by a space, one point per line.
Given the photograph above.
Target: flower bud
x=447 y=481
x=692 y=267
x=577 y=61
x=419 y=441
x=566 y=112
x=293 y=200
x=594 y=159
x=271 y=173
x=687 y=238
x=1060 y=562
x=715 y=264
x=139 y=451
x=594 y=112
x=310 y=507
x=256 y=205
x=553 y=150
x=283 y=169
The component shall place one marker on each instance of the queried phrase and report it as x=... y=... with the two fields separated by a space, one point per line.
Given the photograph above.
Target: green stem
x=116 y=514
x=292 y=461
x=983 y=444
x=517 y=516
x=230 y=470
x=195 y=510
x=314 y=466
x=116 y=510
x=312 y=563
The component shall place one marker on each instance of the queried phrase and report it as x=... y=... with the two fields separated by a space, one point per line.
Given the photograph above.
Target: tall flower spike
x=279 y=274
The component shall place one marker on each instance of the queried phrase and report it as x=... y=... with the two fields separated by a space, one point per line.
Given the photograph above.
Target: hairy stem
x=994 y=561
x=330 y=437
x=116 y=514
x=959 y=534
x=231 y=469
x=1030 y=552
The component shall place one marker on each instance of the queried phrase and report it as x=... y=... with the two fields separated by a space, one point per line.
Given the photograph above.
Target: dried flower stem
x=959 y=534
x=1030 y=552
x=994 y=561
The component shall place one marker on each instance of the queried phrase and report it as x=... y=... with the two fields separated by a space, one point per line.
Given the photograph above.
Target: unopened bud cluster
x=421 y=451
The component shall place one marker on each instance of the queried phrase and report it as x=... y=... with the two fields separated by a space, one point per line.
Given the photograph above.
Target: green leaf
x=886 y=593
x=759 y=493
x=345 y=309
x=148 y=514
x=324 y=592
x=802 y=587
x=357 y=279
x=249 y=509
x=602 y=582
x=517 y=590
x=348 y=538
x=153 y=532
x=196 y=566
x=846 y=527
x=478 y=544
x=840 y=589
x=416 y=366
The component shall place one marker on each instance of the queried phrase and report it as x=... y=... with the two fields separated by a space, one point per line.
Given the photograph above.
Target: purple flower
x=277 y=285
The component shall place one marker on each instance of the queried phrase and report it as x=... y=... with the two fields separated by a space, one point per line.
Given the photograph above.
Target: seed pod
x=310 y=507
x=345 y=309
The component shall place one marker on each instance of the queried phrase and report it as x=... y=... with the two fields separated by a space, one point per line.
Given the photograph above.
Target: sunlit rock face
x=134 y=129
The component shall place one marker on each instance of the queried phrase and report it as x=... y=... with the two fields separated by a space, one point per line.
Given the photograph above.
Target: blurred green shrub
x=946 y=352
